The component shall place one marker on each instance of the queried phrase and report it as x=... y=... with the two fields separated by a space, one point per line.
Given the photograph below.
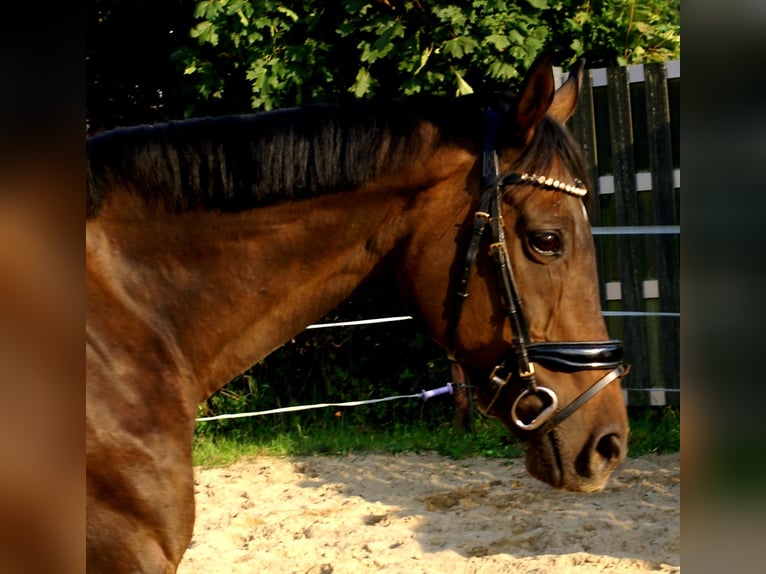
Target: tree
x=259 y=56
x=615 y=32
x=153 y=61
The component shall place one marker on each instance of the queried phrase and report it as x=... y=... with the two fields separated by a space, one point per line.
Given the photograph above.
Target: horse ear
x=565 y=99
x=535 y=96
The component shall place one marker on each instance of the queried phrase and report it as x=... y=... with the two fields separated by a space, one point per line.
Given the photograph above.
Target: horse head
x=521 y=313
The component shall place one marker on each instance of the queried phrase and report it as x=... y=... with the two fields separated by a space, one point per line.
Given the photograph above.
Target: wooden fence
x=628 y=125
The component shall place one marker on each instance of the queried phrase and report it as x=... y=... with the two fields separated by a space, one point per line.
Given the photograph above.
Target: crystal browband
x=577 y=189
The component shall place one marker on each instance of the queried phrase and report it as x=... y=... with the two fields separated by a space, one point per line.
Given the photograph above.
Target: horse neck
x=224 y=290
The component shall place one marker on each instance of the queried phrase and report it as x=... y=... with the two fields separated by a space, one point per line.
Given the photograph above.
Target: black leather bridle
x=570 y=356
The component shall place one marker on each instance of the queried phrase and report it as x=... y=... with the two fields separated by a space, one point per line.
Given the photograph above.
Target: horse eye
x=545 y=242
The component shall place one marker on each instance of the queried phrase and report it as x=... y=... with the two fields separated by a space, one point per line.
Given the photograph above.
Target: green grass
x=653 y=430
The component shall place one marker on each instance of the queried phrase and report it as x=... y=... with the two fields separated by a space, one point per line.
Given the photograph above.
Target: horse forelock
x=552 y=143
x=232 y=163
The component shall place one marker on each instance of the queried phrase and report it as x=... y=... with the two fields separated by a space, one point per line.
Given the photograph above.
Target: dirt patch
x=429 y=514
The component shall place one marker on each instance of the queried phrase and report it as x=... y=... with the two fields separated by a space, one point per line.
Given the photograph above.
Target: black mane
x=233 y=163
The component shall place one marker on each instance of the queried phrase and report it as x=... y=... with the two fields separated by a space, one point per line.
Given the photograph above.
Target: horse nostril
x=609 y=446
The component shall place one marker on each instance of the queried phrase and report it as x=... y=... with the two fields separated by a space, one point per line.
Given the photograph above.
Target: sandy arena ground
x=413 y=514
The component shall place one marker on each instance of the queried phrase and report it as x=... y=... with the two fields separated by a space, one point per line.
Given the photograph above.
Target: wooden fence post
x=663 y=205
x=462 y=398
x=627 y=214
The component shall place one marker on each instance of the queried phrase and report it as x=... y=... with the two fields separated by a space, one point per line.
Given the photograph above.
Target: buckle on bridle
x=497 y=379
x=528 y=372
x=497 y=248
x=499 y=382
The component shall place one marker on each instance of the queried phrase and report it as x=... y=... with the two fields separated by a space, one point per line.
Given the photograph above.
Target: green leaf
x=362 y=83
x=499 y=41
x=207 y=10
x=452 y=15
x=368 y=53
x=463 y=87
x=516 y=37
x=234 y=6
x=539 y=4
x=200 y=29
x=206 y=33
x=644 y=28
x=383 y=44
x=502 y=71
x=424 y=58
x=460 y=46
x=287 y=12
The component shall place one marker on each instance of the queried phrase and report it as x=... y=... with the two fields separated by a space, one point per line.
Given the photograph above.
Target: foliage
x=654 y=431
x=609 y=33
x=274 y=54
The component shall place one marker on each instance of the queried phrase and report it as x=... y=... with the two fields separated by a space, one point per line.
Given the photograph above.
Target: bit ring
x=544 y=414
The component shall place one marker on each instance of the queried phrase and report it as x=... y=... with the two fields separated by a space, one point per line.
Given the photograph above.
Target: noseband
x=558 y=356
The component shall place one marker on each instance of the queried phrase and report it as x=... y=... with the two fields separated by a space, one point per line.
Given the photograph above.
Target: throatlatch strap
x=489 y=181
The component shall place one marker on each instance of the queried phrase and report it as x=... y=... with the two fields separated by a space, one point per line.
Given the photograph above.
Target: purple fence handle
x=446 y=389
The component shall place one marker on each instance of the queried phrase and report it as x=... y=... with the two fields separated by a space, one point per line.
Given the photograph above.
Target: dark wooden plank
x=607 y=248
x=626 y=213
x=664 y=213
x=660 y=145
x=583 y=128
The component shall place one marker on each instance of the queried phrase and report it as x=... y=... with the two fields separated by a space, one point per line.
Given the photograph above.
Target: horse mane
x=238 y=162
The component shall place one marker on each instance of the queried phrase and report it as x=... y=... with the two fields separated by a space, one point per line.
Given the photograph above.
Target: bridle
x=569 y=356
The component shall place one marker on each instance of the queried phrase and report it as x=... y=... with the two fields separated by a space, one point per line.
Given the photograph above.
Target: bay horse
x=210 y=242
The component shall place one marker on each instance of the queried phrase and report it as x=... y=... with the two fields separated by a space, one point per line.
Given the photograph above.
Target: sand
x=424 y=513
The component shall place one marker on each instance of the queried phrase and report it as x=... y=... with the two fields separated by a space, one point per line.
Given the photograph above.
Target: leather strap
x=511 y=296
x=562 y=414
x=489 y=180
